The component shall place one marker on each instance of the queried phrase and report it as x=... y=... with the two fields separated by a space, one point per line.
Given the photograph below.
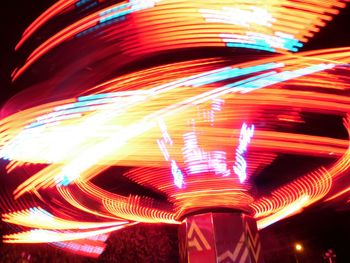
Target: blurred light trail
x=110 y=96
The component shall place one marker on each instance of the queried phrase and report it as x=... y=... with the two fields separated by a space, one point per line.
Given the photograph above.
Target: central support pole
x=219 y=238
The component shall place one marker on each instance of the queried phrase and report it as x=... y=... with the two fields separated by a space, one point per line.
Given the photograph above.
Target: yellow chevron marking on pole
x=195 y=243
x=253 y=242
x=194 y=229
x=244 y=256
x=229 y=254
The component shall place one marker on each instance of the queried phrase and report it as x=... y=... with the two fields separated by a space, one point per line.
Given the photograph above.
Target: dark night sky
x=324 y=227
x=15 y=16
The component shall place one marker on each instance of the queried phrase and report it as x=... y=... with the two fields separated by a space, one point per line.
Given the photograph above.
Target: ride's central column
x=219 y=237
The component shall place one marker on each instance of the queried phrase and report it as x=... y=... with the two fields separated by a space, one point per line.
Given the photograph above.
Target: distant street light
x=298 y=247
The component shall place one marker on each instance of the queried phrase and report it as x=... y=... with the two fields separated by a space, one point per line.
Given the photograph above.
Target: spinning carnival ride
x=173 y=112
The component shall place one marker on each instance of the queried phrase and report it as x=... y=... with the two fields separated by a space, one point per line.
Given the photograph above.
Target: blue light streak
x=82 y=2
x=177 y=174
x=251 y=46
x=162 y=144
x=132 y=6
x=261 y=41
x=240 y=166
x=41 y=213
